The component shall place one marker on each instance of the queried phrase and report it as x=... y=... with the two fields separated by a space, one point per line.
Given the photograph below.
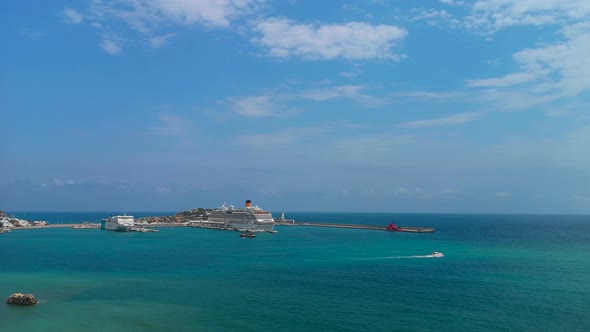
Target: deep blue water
x=499 y=273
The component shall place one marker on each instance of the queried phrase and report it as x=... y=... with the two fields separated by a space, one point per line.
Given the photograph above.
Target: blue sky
x=386 y=106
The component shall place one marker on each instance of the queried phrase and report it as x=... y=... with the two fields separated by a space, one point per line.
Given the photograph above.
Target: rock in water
x=22 y=299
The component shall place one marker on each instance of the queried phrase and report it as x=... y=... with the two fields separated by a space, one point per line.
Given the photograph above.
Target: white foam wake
x=399 y=257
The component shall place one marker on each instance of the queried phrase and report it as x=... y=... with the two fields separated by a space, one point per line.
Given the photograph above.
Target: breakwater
x=354 y=226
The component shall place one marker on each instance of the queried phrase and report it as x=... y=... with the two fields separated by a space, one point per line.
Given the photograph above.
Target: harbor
x=248 y=218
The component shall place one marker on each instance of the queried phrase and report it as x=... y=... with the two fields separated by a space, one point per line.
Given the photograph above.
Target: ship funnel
x=248 y=203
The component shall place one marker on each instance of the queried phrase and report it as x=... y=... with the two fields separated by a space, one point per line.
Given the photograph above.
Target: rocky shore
x=10 y=222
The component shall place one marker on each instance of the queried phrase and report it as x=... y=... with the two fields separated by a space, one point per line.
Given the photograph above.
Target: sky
x=444 y=106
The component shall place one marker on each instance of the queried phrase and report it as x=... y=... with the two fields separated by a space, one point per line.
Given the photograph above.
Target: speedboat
x=438 y=254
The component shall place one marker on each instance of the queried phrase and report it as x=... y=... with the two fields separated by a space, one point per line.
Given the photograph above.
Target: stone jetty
x=353 y=226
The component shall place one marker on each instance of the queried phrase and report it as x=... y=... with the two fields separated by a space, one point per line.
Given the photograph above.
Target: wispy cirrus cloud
x=33 y=34
x=172 y=125
x=545 y=74
x=145 y=19
x=279 y=103
x=286 y=137
x=111 y=44
x=255 y=106
x=417 y=94
x=454 y=119
x=353 y=92
x=488 y=16
x=507 y=80
x=161 y=40
x=285 y=38
x=72 y=16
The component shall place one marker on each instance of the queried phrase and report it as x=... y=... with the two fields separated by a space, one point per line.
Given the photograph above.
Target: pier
x=355 y=226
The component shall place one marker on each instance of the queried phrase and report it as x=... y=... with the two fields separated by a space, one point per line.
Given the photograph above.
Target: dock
x=407 y=229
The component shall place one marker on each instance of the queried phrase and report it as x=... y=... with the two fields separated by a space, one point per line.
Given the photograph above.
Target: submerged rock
x=22 y=299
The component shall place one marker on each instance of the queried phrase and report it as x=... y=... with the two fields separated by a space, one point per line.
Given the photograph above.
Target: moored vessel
x=249 y=218
x=122 y=223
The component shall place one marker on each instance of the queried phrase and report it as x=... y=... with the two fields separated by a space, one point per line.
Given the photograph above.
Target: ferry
x=247 y=219
x=122 y=223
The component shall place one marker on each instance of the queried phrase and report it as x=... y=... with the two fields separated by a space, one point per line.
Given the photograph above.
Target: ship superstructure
x=249 y=218
x=122 y=223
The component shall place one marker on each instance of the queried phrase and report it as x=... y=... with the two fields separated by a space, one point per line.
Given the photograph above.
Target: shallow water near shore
x=500 y=272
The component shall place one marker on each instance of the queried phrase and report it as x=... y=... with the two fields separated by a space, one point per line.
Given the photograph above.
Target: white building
x=5 y=223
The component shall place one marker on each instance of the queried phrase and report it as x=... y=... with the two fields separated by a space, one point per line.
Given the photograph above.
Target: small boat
x=248 y=235
x=438 y=254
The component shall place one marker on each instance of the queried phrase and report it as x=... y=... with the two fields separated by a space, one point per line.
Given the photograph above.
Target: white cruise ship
x=118 y=223
x=249 y=218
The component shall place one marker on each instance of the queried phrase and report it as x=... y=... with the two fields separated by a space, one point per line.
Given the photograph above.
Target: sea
x=499 y=273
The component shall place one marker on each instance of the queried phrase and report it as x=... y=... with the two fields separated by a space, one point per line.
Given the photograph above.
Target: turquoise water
x=500 y=272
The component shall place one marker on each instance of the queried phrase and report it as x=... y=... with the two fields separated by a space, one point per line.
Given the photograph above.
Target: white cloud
x=354 y=92
x=443 y=121
x=172 y=125
x=507 y=80
x=274 y=103
x=432 y=13
x=61 y=182
x=33 y=34
x=429 y=95
x=163 y=189
x=148 y=15
x=285 y=38
x=453 y=2
x=280 y=139
x=545 y=74
x=144 y=19
x=492 y=15
x=111 y=44
x=254 y=106
x=566 y=62
x=72 y=16
x=348 y=74
x=420 y=193
x=159 y=41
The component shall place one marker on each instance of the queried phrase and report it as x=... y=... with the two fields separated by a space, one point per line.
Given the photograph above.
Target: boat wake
x=433 y=255
x=399 y=257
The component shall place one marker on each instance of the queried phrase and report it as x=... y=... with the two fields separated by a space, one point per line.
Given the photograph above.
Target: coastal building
x=5 y=223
